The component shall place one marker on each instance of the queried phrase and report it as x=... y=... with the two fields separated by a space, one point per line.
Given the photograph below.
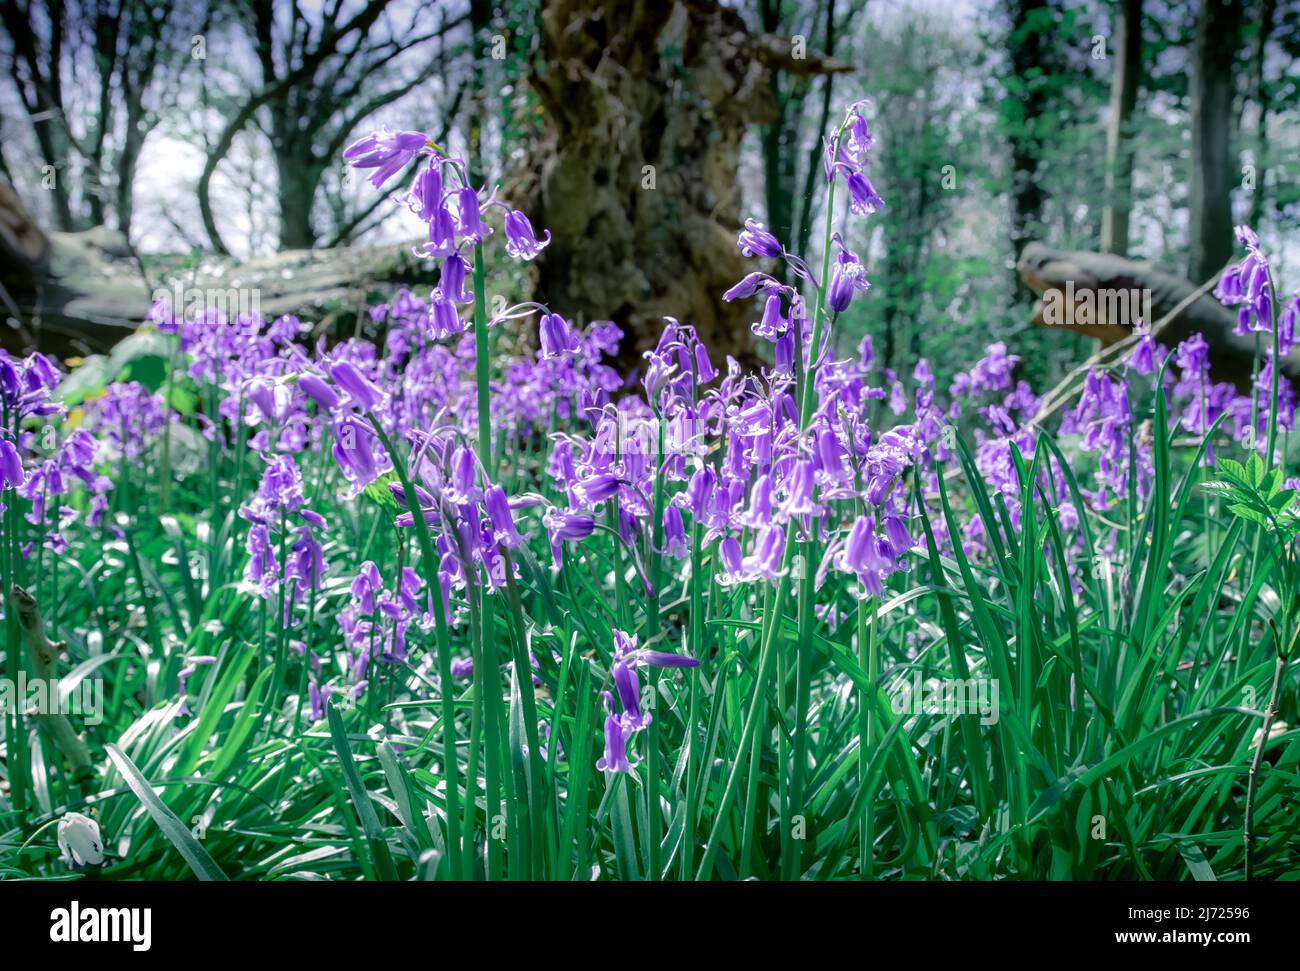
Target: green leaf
x=1232 y=470
x=1196 y=862
x=379 y=492
x=204 y=867
x=379 y=852
x=1255 y=469
x=1248 y=512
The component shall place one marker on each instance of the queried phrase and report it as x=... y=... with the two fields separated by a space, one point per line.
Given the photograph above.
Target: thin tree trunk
x=804 y=231
x=1030 y=56
x=775 y=137
x=1263 y=104
x=127 y=160
x=480 y=20
x=297 y=192
x=1217 y=37
x=1124 y=83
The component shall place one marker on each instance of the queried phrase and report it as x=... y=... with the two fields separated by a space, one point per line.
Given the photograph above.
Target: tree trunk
x=1263 y=104
x=1217 y=37
x=480 y=20
x=1124 y=83
x=54 y=152
x=42 y=97
x=128 y=159
x=779 y=144
x=1029 y=52
x=644 y=109
x=813 y=165
x=296 y=193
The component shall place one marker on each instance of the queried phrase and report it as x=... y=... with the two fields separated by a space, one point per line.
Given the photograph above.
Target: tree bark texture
x=1124 y=82
x=635 y=170
x=1218 y=27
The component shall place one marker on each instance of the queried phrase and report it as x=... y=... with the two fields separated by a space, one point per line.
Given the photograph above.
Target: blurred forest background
x=642 y=134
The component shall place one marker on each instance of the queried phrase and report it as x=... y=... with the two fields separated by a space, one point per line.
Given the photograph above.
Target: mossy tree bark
x=644 y=106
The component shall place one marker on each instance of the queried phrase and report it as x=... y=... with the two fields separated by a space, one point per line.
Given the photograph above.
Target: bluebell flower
x=521 y=242
x=615 y=758
x=756 y=240
x=385 y=152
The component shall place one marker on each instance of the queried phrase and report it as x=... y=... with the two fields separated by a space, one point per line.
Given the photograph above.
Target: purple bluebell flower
x=700 y=491
x=11 y=464
x=662 y=659
x=1286 y=324
x=503 y=521
x=127 y=419
x=442 y=235
x=279 y=492
x=799 y=490
x=521 y=242
x=897 y=536
x=357 y=452
x=385 y=152
x=317 y=697
x=469 y=222
x=862 y=555
x=615 y=758
x=444 y=318
x=1229 y=290
x=1193 y=357
x=362 y=391
x=556 y=337
x=452 y=281
x=367 y=587
x=319 y=391
x=783 y=353
x=596 y=489
x=848 y=277
x=704 y=369
x=749 y=285
x=629 y=696
x=772 y=324
x=462 y=484
x=759 y=513
x=565 y=527
x=426 y=195
x=733 y=567
x=1142 y=360
x=262 y=570
x=307 y=556
x=756 y=240
x=766 y=560
x=674 y=533
x=863 y=198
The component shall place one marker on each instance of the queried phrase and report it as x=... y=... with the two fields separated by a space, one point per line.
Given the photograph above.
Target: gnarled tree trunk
x=644 y=106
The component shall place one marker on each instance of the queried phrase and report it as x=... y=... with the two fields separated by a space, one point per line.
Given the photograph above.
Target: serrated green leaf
x=1255 y=469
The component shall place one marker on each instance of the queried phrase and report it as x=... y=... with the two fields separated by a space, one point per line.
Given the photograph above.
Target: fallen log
x=80 y=293
x=1103 y=296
